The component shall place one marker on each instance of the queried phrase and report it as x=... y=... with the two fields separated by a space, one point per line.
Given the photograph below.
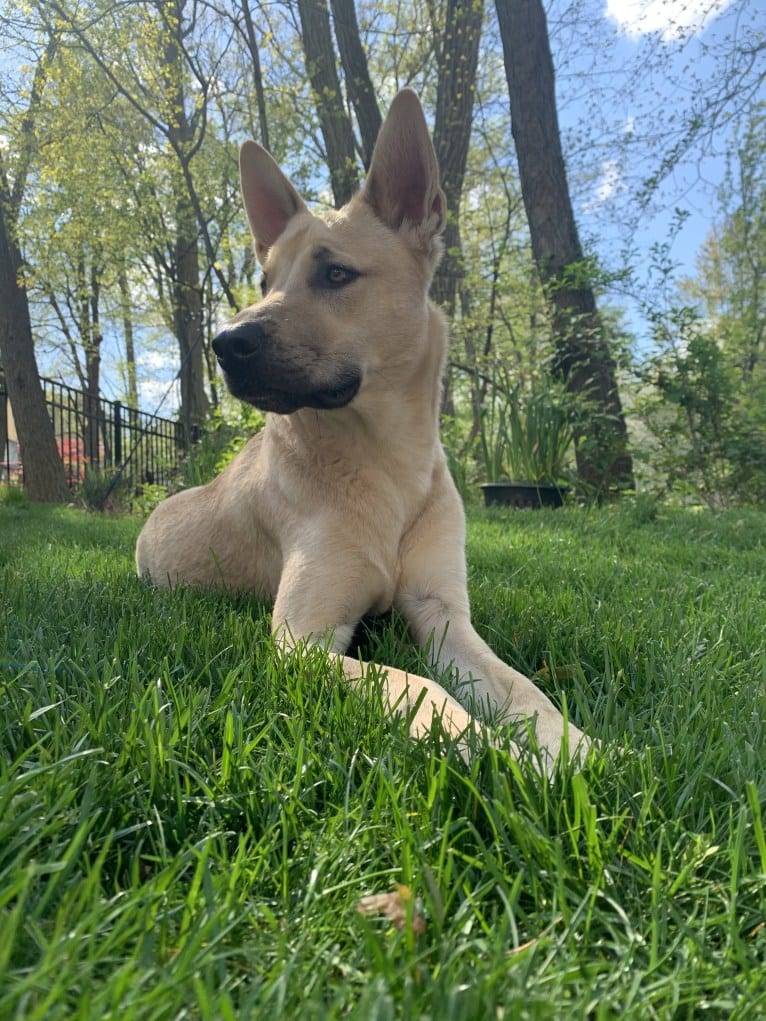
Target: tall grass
x=187 y=827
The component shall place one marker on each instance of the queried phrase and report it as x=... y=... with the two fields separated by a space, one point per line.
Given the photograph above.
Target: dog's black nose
x=236 y=343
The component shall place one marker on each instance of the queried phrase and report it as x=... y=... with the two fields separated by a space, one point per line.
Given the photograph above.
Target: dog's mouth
x=285 y=402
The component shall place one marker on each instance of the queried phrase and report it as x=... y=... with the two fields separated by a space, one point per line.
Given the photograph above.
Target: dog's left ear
x=270 y=199
x=402 y=186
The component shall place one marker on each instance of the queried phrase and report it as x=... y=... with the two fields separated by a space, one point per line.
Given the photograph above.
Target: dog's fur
x=343 y=503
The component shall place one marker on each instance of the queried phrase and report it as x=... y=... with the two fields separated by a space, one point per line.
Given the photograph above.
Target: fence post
x=117 y=419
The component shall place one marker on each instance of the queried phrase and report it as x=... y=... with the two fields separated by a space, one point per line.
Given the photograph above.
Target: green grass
x=187 y=827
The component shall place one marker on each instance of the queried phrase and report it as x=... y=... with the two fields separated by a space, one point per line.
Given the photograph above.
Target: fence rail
x=96 y=434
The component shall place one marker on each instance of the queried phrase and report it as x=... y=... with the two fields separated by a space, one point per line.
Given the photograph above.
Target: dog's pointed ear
x=270 y=199
x=402 y=186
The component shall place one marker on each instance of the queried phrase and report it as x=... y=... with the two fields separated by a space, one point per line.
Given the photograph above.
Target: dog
x=343 y=504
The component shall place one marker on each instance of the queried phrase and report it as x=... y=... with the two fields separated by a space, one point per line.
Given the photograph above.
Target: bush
x=102 y=491
x=224 y=435
x=705 y=440
x=526 y=435
x=13 y=496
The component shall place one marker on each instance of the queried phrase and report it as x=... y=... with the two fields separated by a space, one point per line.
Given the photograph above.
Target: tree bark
x=43 y=468
x=44 y=476
x=4 y=402
x=187 y=320
x=583 y=358
x=323 y=74
x=359 y=85
x=130 y=344
x=457 y=57
x=83 y=302
x=187 y=295
x=255 y=57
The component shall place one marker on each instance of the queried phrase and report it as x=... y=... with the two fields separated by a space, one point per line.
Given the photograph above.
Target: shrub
x=705 y=441
x=526 y=435
x=102 y=491
x=225 y=434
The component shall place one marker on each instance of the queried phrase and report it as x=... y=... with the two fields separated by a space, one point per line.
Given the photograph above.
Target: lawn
x=188 y=828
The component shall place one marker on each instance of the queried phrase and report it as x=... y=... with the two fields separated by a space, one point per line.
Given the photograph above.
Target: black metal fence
x=95 y=434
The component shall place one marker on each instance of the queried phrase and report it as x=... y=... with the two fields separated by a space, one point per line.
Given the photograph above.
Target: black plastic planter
x=523 y=494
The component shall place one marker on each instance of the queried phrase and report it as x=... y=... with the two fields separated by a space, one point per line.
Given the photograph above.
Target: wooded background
x=121 y=227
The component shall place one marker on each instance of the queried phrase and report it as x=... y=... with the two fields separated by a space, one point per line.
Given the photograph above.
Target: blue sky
x=627 y=73
x=645 y=65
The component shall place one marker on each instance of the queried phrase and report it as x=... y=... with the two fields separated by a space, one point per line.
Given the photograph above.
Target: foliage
x=190 y=824
x=453 y=442
x=526 y=435
x=13 y=496
x=102 y=490
x=708 y=443
x=703 y=388
x=730 y=286
x=226 y=432
x=146 y=497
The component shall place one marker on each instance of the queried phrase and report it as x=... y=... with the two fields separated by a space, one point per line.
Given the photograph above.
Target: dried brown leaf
x=394 y=906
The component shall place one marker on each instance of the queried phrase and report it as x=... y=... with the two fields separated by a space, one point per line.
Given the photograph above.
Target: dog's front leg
x=322 y=608
x=433 y=598
x=497 y=687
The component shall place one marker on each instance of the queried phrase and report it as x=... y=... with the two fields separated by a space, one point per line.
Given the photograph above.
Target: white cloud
x=158 y=386
x=608 y=184
x=153 y=360
x=159 y=397
x=673 y=19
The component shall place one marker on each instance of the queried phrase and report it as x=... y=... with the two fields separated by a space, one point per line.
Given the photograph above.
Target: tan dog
x=343 y=504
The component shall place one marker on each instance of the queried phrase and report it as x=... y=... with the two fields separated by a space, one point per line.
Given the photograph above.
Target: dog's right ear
x=270 y=199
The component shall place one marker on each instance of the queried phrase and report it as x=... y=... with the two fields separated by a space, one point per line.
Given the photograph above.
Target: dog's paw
x=554 y=743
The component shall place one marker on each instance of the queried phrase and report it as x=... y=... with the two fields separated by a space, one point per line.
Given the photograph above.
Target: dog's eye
x=338 y=276
x=264 y=285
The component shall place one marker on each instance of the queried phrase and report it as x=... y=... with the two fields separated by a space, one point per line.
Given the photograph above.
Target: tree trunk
x=44 y=476
x=187 y=320
x=4 y=449
x=187 y=296
x=457 y=56
x=336 y=127
x=358 y=82
x=43 y=468
x=255 y=57
x=93 y=368
x=582 y=353
x=89 y=329
x=130 y=345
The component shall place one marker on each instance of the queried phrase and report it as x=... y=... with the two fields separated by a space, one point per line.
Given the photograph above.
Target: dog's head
x=345 y=296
